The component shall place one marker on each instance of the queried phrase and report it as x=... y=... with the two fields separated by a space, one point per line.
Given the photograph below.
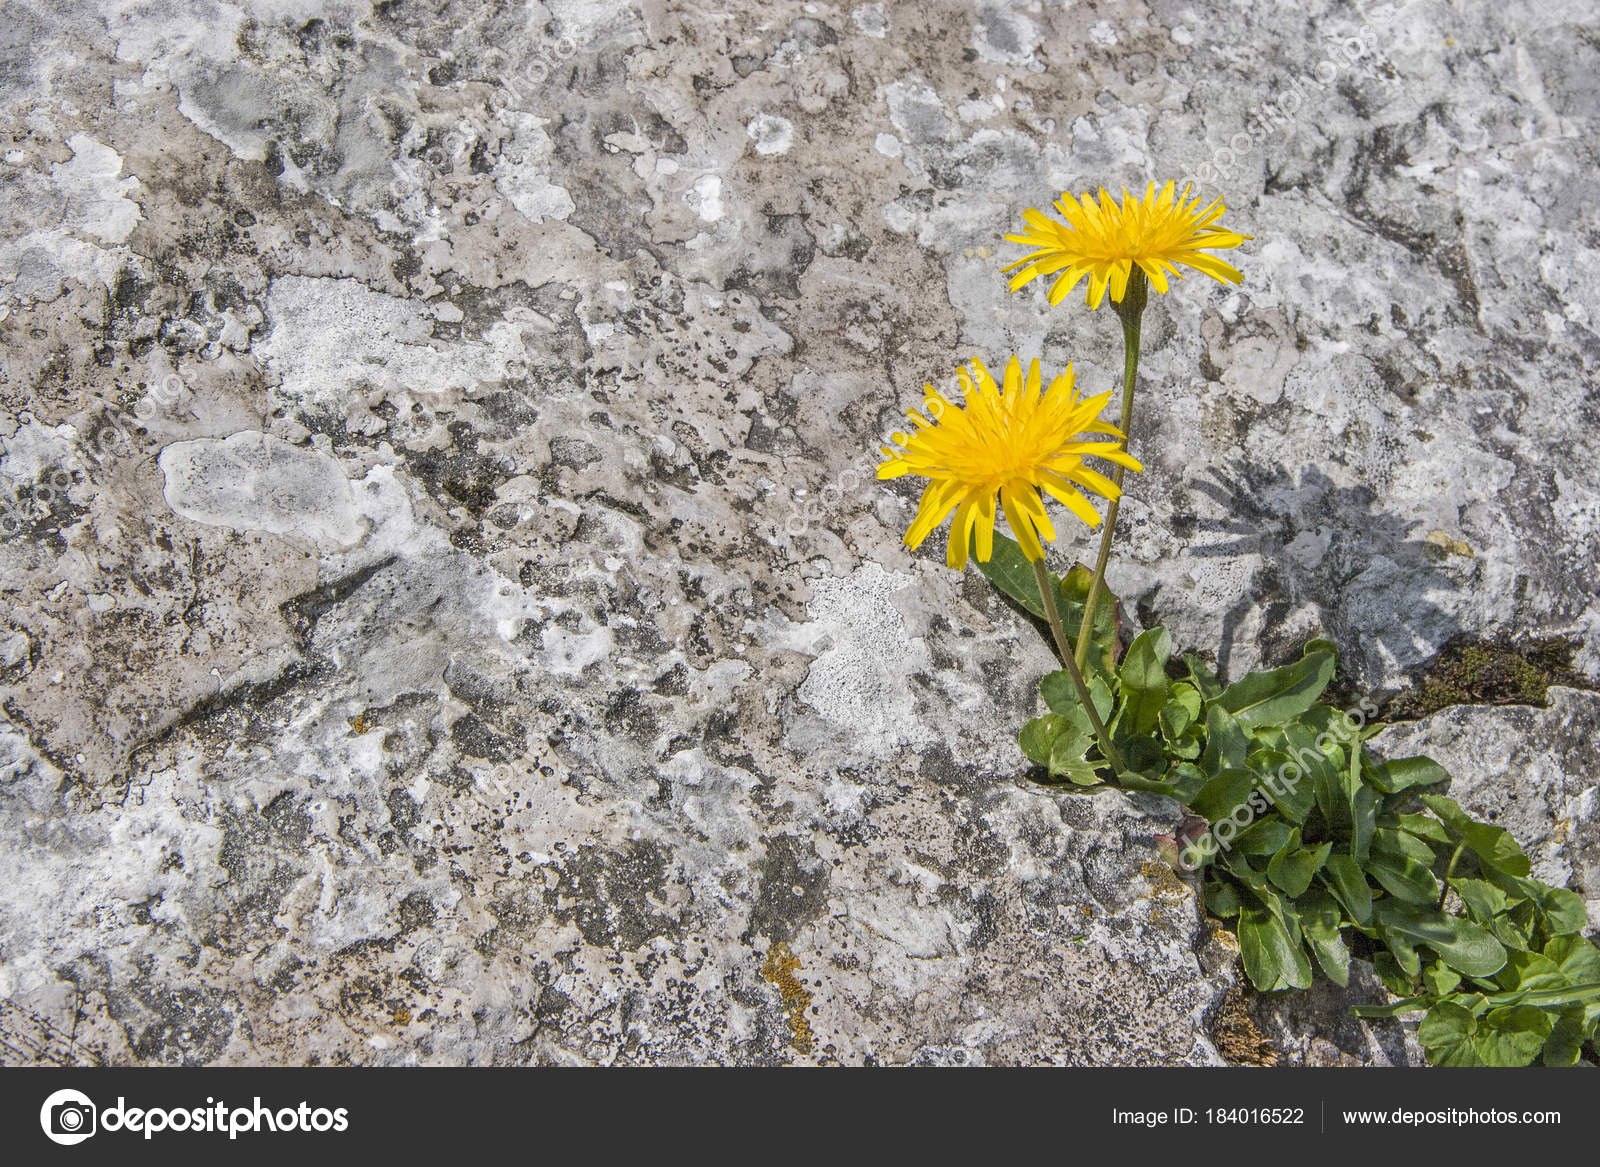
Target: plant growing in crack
x=1317 y=850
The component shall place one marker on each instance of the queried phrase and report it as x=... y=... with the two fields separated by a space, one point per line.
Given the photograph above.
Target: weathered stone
x=450 y=614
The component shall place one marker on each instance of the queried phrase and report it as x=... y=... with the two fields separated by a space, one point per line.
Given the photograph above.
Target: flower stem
x=1130 y=309
x=1052 y=615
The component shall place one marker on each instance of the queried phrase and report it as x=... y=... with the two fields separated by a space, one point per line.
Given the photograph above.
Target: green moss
x=1467 y=673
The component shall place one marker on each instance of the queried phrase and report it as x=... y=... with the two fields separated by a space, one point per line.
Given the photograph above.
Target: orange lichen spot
x=778 y=970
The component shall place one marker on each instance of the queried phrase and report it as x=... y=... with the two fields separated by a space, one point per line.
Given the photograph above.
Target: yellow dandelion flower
x=1013 y=440
x=1104 y=241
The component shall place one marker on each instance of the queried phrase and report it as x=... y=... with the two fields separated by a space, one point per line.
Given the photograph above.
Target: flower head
x=1013 y=440
x=1104 y=241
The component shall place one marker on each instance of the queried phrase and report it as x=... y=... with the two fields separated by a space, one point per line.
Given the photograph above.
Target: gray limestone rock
x=450 y=616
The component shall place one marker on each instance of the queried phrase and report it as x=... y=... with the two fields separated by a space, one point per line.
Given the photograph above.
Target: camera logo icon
x=68 y=1117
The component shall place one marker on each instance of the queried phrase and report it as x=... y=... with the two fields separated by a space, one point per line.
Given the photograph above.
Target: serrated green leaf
x=1278 y=695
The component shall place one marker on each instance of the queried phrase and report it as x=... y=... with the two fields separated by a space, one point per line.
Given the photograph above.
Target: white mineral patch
x=861 y=679
x=771 y=134
x=255 y=482
x=871 y=19
x=706 y=197
x=97 y=195
x=331 y=337
x=522 y=173
x=1004 y=36
x=84 y=213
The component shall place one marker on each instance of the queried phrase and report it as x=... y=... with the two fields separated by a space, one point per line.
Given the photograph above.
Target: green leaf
x=1180 y=712
x=1440 y=979
x=1012 y=572
x=1565 y=1044
x=1222 y=899
x=1512 y=1036
x=1483 y=899
x=1292 y=870
x=1564 y=911
x=1039 y=735
x=1394 y=1008
x=1344 y=878
x=1320 y=921
x=1558 y=997
x=1529 y=971
x=1394 y=978
x=1493 y=846
x=1223 y=794
x=1061 y=695
x=1278 y=695
x=1201 y=677
x=1227 y=747
x=1067 y=759
x=1363 y=820
x=1191 y=779
x=1577 y=958
x=1446 y=1034
x=1462 y=945
x=1264 y=837
x=1405 y=879
x=1399 y=774
x=1424 y=827
x=1284 y=783
x=1073 y=589
x=1272 y=958
x=1402 y=845
x=1144 y=684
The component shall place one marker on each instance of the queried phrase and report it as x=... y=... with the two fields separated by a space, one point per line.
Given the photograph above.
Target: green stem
x=1052 y=615
x=1448 y=872
x=1130 y=309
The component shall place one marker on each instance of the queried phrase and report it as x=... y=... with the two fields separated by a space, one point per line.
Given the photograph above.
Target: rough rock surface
x=448 y=614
